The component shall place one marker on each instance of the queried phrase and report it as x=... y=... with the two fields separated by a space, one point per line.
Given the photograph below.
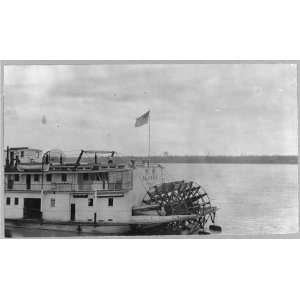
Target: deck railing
x=63 y=187
x=66 y=187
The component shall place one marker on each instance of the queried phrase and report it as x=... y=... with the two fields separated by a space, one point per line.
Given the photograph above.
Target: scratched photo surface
x=150 y=149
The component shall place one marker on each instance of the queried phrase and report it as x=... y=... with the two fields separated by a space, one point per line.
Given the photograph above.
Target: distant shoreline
x=272 y=159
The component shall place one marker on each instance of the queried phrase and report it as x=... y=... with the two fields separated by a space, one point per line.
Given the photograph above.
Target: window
x=52 y=202
x=63 y=177
x=8 y=201
x=49 y=177
x=22 y=153
x=36 y=177
x=16 y=201
x=90 y=202
x=17 y=177
x=110 y=201
x=85 y=176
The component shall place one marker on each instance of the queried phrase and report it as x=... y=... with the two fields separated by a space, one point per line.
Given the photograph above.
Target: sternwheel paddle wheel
x=187 y=200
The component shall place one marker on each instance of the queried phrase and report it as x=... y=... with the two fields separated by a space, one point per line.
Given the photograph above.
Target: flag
x=143 y=119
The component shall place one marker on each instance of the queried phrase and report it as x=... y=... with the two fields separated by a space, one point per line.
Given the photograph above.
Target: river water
x=252 y=198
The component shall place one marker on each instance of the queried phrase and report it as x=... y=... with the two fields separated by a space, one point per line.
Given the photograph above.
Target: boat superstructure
x=96 y=192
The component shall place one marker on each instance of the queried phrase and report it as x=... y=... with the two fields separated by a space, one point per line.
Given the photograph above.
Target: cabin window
x=16 y=201
x=17 y=177
x=49 y=177
x=85 y=176
x=52 y=202
x=22 y=153
x=8 y=201
x=36 y=177
x=63 y=177
x=90 y=202
x=110 y=201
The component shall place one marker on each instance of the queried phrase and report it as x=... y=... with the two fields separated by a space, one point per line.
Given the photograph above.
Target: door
x=10 y=183
x=28 y=182
x=73 y=212
x=32 y=208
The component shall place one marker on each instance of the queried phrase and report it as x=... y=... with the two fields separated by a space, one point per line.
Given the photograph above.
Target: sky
x=196 y=109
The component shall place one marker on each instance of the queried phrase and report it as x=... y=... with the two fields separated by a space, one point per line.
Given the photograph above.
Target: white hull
x=105 y=229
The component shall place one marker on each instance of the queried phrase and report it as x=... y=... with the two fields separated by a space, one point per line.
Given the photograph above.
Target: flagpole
x=149 y=139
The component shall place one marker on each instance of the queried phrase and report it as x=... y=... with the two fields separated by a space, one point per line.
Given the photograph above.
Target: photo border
x=4 y=63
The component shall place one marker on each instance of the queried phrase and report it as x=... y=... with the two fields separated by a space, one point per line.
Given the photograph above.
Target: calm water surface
x=252 y=199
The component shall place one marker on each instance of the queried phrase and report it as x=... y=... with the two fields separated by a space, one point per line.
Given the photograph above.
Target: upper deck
x=58 y=174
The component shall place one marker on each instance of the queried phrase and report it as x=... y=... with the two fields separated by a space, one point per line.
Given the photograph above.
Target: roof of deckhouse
x=24 y=148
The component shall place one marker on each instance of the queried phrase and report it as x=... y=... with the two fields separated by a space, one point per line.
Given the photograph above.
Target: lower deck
x=61 y=206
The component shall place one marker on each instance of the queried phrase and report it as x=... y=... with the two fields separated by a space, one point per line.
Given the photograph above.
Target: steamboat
x=96 y=193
